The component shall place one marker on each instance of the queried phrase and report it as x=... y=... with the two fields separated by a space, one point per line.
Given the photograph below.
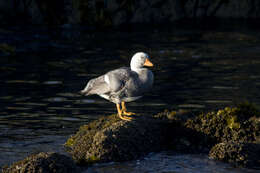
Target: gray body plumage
x=121 y=85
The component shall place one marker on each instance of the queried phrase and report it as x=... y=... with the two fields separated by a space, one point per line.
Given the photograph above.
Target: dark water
x=167 y=162
x=41 y=72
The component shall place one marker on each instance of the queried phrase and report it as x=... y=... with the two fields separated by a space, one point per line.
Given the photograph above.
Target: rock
x=237 y=153
x=43 y=163
x=231 y=133
x=242 y=9
x=181 y=138
x=239 y=123
x=112 y=139
x=199 y=132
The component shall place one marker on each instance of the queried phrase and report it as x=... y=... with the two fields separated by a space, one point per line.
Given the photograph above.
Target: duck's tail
x=84 y=92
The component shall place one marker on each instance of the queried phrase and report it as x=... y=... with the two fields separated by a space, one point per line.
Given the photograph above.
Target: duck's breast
x=140 y=83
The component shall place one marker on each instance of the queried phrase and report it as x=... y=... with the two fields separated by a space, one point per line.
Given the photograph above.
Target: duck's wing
x=110 y=82
x=125 y=85
x=96 y=86
x=118 y=78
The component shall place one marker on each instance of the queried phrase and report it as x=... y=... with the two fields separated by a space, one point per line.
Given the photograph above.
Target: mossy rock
x=239 y=123
x=43 y=163
x=112 y=139
x=237 y=153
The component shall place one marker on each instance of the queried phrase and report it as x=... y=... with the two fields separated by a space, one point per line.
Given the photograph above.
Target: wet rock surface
x=235 y=131
x=112 y=139
x=230 y=135
x=240 y=123
x=43 y=163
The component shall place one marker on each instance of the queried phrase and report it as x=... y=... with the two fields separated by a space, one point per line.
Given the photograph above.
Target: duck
x=125 y=84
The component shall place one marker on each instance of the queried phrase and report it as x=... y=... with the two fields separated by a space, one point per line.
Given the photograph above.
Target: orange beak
x=148 y=63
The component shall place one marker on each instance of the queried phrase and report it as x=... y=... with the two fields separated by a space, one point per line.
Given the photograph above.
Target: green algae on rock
x=237 y=124
x=111 y=139
x=228 y=130
x=233 y=133
x=237 y=153
x=43 y=162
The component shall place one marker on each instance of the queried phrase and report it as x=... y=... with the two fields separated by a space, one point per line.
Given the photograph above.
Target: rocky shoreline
x=118 y=12
x=231 y=135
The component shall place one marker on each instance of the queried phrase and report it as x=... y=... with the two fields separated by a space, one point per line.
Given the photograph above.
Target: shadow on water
x=41 y=76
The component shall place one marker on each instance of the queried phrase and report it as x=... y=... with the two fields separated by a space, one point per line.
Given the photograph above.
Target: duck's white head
x=139 y=60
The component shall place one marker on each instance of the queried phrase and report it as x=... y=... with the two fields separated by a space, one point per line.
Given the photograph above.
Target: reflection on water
x=168 y=162
x=39 y=101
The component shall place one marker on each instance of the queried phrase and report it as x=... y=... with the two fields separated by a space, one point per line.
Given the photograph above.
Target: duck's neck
x=143 y=74
x=137 y=69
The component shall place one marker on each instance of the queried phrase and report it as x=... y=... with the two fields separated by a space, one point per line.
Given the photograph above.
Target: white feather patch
x=104 y=96
x=106 y=78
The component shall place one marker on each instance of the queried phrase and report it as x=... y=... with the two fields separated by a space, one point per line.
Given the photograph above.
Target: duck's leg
x=124 y=110
x=120 y=111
